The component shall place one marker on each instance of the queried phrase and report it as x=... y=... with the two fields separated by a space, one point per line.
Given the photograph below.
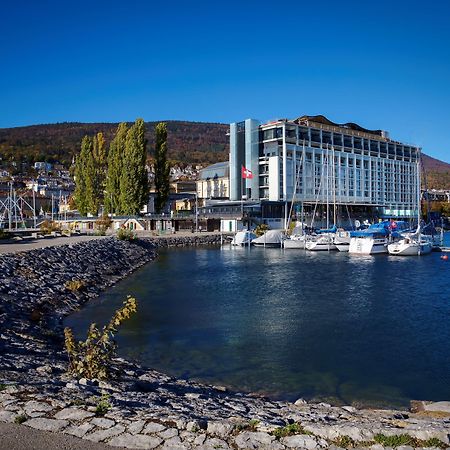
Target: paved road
x=28 y=243
x=21 y=437
x=31 y=244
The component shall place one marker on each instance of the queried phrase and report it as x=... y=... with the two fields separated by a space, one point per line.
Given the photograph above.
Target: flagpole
x=242 y=196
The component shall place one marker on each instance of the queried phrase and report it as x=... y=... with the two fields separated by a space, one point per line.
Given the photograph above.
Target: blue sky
x=383 y=64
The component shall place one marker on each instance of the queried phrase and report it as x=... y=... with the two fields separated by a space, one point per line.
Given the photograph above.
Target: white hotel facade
x=323 y=162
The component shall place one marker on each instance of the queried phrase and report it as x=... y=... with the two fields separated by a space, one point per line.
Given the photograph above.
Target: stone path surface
x=142 y=408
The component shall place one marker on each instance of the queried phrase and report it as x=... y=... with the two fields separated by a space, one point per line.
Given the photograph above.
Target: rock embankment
x=142 y=408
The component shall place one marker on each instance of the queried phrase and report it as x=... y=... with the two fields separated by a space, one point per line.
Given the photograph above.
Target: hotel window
x=290 y=133
x=315 y=136
x=357 y=143
x=366 y=144
x=269 y=134
x=348 y=141
x=374 y=146
x=337 y=139
x=303 y=135
x=326 y=137
x=391 y=149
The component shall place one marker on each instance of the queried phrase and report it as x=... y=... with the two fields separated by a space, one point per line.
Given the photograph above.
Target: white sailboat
x=413 y=244
x=296 y=239
x=342 y=241
x=324 y=241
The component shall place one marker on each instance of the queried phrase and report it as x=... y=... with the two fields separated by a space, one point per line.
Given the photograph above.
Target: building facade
x=213 y=182
x=313 y=160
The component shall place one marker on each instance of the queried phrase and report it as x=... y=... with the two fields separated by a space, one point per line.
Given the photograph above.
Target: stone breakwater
x=142 y=408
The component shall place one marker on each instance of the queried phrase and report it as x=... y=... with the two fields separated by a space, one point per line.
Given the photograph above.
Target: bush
x=102 y=224
x=48 y=226
x=21 y=418
x=92 y=358
x=288 y=430
x=75 y=285
x=103 y=405
x=261 y=229
x=4 y=234
x=125 y=234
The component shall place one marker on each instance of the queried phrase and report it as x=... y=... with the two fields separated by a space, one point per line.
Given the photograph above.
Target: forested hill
x=188 y=142
x=437 y=173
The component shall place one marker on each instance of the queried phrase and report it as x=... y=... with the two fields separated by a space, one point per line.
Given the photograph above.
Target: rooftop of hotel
x=322 y=122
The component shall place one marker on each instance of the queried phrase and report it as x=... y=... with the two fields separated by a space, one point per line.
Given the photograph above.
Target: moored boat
x=410 y=247
x=342 y=241
x=323 y=242
x=271 y=238
x=243 y=237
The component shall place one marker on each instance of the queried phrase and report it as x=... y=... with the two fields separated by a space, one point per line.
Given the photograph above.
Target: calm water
x=365 y=330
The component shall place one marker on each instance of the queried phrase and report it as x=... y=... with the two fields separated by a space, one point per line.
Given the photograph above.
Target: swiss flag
x=246 y=173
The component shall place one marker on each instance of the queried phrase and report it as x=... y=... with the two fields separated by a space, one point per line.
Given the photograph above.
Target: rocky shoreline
x=142 y=408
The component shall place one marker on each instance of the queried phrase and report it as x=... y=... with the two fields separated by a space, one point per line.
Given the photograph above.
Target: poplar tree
x=134 y=179
x=114 y=170
x=100 y=156
x=79 y=195
x=88 y=192
x=162 y=167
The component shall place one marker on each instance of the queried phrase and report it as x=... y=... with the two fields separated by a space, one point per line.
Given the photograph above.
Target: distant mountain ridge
x=188 y=143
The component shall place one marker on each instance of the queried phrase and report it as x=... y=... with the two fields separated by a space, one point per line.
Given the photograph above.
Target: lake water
x=367 y=330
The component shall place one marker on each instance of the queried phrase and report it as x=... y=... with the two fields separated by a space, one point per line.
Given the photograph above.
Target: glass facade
x=345 y=166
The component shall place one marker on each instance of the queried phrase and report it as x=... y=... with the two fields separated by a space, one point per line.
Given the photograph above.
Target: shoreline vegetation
x=138 y=407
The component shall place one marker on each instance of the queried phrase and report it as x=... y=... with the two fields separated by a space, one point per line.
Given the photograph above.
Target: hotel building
x=323 y=162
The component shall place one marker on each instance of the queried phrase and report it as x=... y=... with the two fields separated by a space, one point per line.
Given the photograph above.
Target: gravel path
x=10 y=246
x=20 y=437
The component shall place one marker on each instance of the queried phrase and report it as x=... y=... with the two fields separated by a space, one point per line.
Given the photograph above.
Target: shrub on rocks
x=125 y=234
x=75 y=285
x=92 y=358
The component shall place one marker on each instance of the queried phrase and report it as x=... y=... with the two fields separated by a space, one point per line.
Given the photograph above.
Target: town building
x=213 y=182
x=311 y=160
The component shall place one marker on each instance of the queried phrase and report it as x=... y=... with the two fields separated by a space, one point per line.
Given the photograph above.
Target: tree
x=79 y=195
x=114 y=170
x=162 y=167
x=88 y=191
x=100 y=157
x=134 y=178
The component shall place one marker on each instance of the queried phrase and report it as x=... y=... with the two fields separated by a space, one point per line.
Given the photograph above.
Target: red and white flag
x=246 y=173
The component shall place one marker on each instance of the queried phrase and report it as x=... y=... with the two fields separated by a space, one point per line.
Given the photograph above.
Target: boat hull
x=367 y=246
x=343 y=246
x=409 y=249
x=294 y=243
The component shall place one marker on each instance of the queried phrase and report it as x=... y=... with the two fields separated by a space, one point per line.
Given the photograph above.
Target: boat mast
x=418 y=196
x=328 y=188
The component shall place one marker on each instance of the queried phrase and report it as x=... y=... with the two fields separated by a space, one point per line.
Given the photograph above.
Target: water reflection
x=368 y=330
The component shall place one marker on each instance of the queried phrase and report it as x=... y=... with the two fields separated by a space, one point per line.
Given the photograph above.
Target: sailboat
x=324 y=241
x=297 y=238
x=412 y=244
